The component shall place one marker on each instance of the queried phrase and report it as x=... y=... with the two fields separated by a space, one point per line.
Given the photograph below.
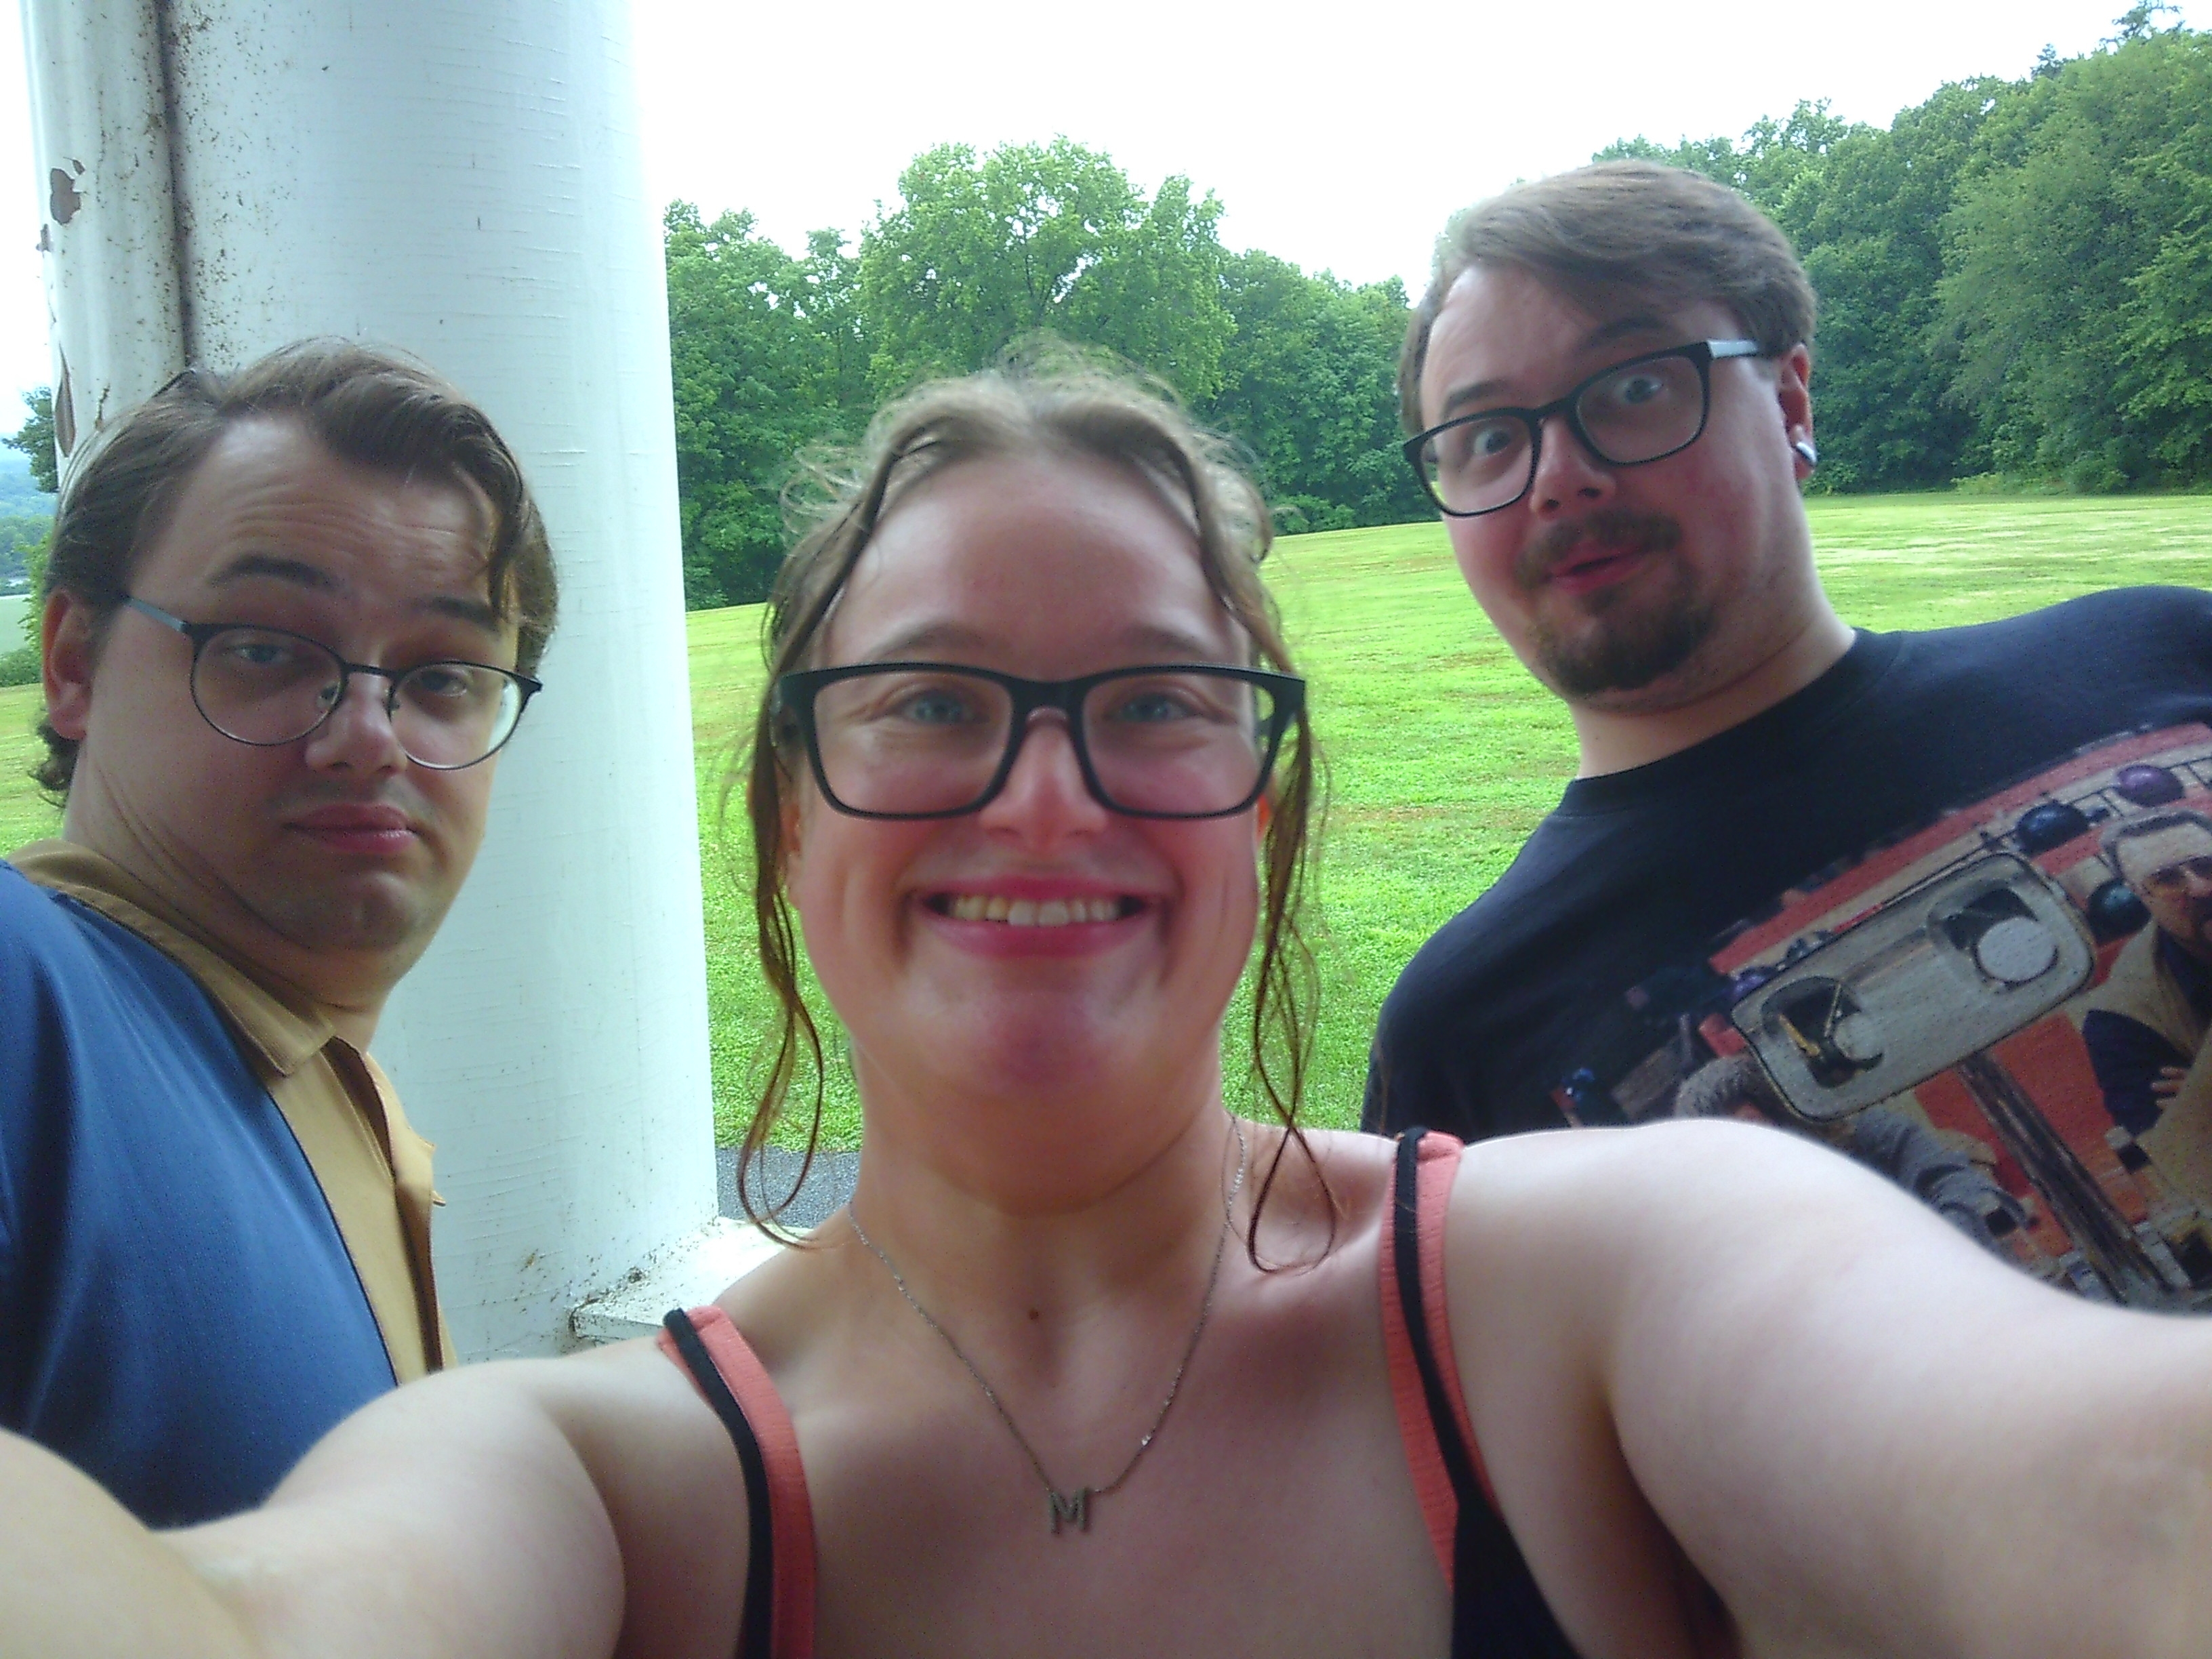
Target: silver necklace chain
x=1073 y=1508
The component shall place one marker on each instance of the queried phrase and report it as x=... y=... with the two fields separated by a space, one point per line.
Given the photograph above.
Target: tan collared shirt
x=374 y=1168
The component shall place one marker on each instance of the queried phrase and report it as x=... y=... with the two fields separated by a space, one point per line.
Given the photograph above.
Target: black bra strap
x=1405 y=1220
x=1497 y=1611
x=753 y=1628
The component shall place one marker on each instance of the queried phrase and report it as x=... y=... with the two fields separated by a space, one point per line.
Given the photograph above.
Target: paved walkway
x=828 y=1183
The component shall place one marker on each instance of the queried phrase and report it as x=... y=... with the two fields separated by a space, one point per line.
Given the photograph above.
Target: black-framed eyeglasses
x=937 y=740
x=269 y=686
x=1644 y=409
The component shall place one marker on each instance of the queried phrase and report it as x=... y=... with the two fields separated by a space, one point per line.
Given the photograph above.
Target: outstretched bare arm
x=568 y=1509
x=1865 y=1434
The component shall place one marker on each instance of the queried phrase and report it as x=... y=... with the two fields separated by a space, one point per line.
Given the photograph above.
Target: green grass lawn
x=1441 y=755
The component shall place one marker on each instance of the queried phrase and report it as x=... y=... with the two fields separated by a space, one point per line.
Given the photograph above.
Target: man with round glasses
x=1609 y=382
x=291 y=617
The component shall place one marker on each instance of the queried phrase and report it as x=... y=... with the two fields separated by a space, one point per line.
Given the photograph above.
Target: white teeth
x=1027 y=913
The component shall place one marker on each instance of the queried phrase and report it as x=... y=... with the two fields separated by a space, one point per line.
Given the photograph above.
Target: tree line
x=775 y=353
x=2016 y=283
x=2016 y=280
x=2015 y=277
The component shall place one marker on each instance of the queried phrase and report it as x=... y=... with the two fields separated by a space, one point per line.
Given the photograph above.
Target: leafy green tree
x=1767 y=163
x=1868 y=224
x=1041 y=238
x=1863 y=207
x=1308 y=383
x=767 y=356
x=2138 y=23
x=2076 y=255
x=21 y=534
x=2166 y=345
x=24 y=537
x=35 y=439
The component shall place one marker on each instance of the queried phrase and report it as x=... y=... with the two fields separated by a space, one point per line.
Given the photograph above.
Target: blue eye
x=937 y=707
x=1152 y=707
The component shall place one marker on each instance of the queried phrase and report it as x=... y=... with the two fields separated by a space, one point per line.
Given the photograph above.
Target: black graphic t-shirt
x=1880 y=913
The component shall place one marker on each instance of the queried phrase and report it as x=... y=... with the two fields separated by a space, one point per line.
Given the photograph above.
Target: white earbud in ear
x=1806 y=453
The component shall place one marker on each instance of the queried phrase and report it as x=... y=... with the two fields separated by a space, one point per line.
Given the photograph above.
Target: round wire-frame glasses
x=269 y=686
x=1250 y=706
x=1468 y=466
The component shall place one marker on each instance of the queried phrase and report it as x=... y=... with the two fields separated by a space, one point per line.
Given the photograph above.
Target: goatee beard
x=1630 y=639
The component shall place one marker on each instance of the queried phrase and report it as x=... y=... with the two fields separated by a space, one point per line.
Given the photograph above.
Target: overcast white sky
x=1337 y=137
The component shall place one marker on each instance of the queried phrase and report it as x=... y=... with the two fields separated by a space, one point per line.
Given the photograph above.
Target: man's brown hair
x=368 y=407
x=1616 y=229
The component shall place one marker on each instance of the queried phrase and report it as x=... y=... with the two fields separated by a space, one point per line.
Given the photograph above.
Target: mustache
x=1616 y=528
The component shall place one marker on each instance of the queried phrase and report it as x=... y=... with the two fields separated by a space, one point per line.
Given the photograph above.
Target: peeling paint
x=64 y=407
x=63 y=200
x=104 y=231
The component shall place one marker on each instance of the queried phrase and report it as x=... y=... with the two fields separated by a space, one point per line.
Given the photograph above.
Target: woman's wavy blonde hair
x=1050 y=404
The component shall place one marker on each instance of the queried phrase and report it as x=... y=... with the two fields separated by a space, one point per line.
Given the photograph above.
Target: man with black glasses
x=1865 y=866
x=291 y=617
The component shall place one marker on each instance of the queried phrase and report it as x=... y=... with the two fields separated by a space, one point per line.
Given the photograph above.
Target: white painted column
x=464 y=182
x=99 y=138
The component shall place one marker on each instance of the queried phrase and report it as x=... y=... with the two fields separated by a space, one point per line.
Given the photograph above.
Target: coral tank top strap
x=778 y=1621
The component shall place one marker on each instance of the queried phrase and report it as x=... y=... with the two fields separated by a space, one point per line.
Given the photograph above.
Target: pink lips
x=371 y=830
x=1600 y=569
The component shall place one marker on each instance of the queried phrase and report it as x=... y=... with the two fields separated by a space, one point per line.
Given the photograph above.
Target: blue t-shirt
x=179 y=1315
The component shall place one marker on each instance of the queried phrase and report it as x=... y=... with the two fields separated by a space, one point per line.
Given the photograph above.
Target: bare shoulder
x=1697 y=1181
x=1356 y=1166
x=668 y=1473
x=1722 y=1351
x=799 y=1305
x=1326 y=1201
x=662 y=1461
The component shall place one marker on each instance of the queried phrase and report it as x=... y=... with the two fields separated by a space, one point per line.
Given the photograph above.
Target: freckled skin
x=214 y=825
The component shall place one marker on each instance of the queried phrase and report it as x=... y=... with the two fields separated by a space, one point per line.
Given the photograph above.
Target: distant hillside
x=18 y=494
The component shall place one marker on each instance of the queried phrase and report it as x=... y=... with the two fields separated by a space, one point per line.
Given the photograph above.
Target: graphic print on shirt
x=1984 y=1011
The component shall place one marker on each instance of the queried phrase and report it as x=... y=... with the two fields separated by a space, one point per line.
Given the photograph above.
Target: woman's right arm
x=573 y=1509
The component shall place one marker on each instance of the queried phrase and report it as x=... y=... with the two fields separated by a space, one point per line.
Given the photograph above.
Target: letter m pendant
x=1069 y=1508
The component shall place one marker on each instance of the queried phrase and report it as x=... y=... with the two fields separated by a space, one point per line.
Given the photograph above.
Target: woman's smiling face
x=1047 y=567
